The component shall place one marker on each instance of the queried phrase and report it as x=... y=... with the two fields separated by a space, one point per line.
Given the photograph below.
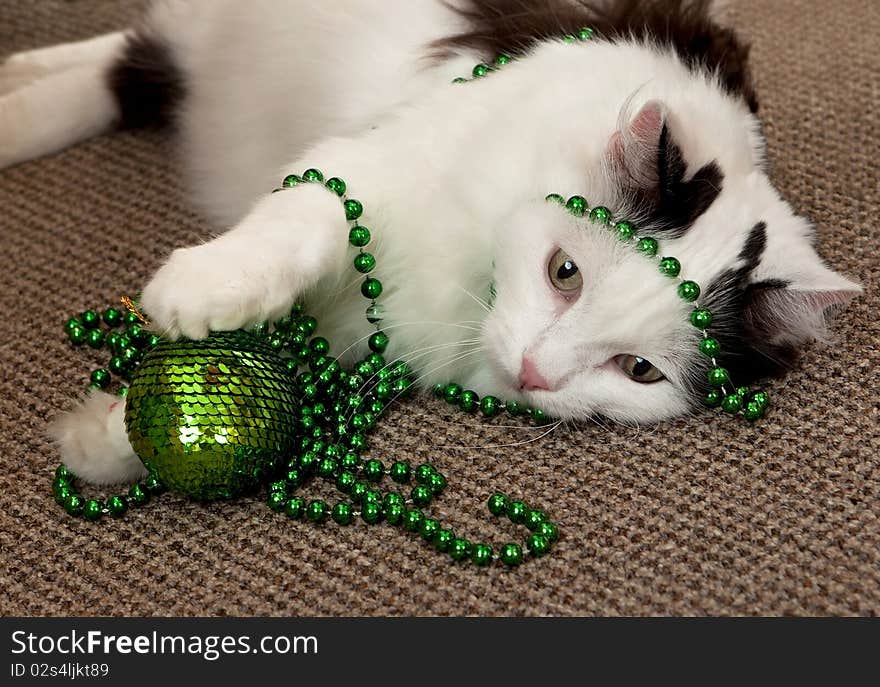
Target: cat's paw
x=219 y=286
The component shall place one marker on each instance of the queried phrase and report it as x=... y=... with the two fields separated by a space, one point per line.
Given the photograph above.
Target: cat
x=653 y=117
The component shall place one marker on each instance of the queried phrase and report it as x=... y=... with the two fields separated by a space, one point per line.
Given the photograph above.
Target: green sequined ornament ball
x=214 y=418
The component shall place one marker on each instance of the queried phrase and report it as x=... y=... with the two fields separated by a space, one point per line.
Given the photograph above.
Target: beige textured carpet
x=701 y=516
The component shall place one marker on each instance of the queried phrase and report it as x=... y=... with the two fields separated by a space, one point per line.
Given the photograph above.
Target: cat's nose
x=529 y=377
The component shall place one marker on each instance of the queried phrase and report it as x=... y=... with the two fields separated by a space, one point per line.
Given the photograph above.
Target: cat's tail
x=54 y=97
x=93 y=441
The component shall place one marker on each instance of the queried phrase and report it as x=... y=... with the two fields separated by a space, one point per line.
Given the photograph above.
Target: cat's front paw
x=218 y=286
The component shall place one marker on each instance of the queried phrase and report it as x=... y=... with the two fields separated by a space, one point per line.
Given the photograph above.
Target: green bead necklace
x=339 y=407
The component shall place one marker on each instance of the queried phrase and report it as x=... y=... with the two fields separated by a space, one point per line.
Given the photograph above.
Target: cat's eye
x=638 y=369
x=564 y=273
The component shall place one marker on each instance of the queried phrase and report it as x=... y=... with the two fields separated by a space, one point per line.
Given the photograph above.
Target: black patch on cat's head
x=671 y=207
x=746 y=351
x=146 y=81
x=685 y=26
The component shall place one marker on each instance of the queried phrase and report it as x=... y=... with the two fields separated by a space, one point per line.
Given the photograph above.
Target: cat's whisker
x=483 y=304
x=460 y=325
x=552 y=428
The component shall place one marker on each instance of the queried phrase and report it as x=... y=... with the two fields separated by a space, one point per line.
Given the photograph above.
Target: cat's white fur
x=452 y=178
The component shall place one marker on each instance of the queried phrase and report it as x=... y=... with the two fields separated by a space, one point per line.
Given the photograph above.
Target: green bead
x=569 y=38
x=421 y=495
x=336 y=185
x=549 y=531
x=291 y=180
x=732 y=403
x=378 y=342
x=138 y=495
x=701 y=318
x=371 y=288
x=117 y=506
x=394 y=513
x=517 y=512
x=130 y=319
x=154 y=485
x=353 y=209
x=327 y=467
x=72 y=324
x=116 y=365
x=452 y=392
x=95 y=338
x=383 y=390
x=358 y=442
x=490 y=406
x=424 y=472
x=278 y=485
x=468 y=401
x=62 y=472
x=689 y=291
x=313 y=175
x=295 y=508
x=345 y=482
x=600 y=214
x=753 y=411
x=294 y=477
x=401 y=386
x=713 y=398
x=77 y=334
x=481 y=70
x=710 y=347
x=669 y=266
x=460 y=549
x=743 y=392
x=90 y=319
x=481 y=555
x=537 y=545
x=586 y=33
x=100 y=378
x=317 y=511
x=534 y=519
x=364 y=263
x=358 y=489
x=371 y=512
x=394 y=497
x=539 y=417
x=428 y=528
x=647 y=245
x=762 y=398
x=443 y=540
x=307 y=325
x=112 y=317
x=373 y=470
x=74 y=504
x=718 y=377
x=375 y=360
x=577 y=205
x=498 y=503
x=502 y=59
x=412 y=520
x=511 y=554
x=276 y=500
x=437 y=483
x=342 y=513
x=515 y=408
x=459 y=79
x=319 y=346
x=554 y=198
x=93 y=510
x=400 y=471
x=359 y=236
x=624 y=230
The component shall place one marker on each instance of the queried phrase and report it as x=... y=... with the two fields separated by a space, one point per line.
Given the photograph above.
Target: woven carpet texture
x=706 y=515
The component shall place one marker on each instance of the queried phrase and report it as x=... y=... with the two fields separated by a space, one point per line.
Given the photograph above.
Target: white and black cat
x=654 y=118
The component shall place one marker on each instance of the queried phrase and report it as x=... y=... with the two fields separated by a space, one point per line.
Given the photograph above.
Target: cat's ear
x=634 y=153
x=795 y=298
x=648 y=168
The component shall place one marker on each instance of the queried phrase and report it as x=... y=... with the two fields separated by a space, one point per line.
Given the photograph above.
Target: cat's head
x=583 y=324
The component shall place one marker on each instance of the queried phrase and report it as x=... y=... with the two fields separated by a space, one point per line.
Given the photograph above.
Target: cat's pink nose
x=529 y=377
